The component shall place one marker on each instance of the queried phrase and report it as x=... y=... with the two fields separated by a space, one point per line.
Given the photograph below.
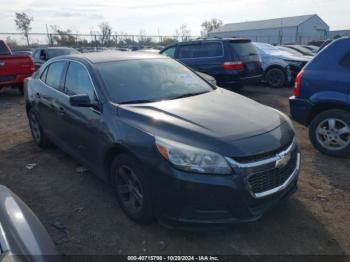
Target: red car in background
x=14 y=68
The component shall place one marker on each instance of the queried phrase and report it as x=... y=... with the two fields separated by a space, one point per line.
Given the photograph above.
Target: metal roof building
x=296 y=29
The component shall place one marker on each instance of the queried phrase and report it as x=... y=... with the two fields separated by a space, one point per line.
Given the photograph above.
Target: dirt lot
x=316 y=220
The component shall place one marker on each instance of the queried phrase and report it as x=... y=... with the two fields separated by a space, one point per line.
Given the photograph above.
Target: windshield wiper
x=189 y=94
x=140 y=101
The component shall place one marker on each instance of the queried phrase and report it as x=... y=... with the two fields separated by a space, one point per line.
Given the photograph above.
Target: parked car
x=324 y=44
x=321 y=99
x=42 y=54
x=314 y=49
x=173 y=146
x=233 y=62
x=28 y=53
x=14 y=68
x=300 y=49
x=22 y=236
x=280 y=67
x=294 y=52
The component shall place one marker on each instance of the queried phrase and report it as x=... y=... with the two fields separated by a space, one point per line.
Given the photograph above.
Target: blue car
x=321 y=99
x=233 y=62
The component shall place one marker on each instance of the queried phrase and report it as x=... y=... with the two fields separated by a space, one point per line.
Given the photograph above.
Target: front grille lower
x=267 y=180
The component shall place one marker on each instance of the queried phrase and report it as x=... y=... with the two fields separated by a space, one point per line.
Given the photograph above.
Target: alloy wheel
x=333 y=134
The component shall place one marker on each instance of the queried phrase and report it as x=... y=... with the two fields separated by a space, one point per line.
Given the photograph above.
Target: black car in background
x=43 y=54
x=172 y=145
x=231 y=61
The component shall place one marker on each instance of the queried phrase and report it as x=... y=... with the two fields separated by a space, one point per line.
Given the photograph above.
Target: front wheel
x=330 y=132
x=275 y=77
x=132 y=188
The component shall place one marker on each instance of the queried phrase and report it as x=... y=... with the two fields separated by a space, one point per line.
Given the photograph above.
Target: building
x=296 y=29
x=338 y=33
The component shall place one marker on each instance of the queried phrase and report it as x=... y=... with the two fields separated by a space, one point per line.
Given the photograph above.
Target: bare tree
x=23 y=22
x=183 y=32
x=106 y=33
x=210 y=25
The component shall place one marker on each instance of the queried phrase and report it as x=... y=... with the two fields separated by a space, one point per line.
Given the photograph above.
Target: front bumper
x=187 y=200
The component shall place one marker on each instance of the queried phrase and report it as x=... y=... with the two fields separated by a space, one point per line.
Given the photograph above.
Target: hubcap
x=129 y=189
x=35 y=128
x=333 y=134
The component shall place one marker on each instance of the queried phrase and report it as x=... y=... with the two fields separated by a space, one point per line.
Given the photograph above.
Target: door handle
x=61 y=111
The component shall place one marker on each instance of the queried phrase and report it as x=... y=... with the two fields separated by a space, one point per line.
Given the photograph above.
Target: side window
x=43 y=75
x=36 y=54
x=210 y=50
x=345 y=61
x=54 y=74
x=169 y=52
x=78 y=81
x=188 y=51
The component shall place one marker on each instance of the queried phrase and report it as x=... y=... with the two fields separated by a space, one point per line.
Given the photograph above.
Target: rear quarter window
x=210 y=50
x=3 y=49
x=245 y=50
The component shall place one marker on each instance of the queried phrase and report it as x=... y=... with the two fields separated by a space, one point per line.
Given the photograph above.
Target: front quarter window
x=170 y=52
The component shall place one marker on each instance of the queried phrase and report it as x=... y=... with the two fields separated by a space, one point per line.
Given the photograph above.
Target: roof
x=111 y=56
x=265 y=24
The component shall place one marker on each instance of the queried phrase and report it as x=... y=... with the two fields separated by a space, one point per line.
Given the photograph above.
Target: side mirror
x=81 y=101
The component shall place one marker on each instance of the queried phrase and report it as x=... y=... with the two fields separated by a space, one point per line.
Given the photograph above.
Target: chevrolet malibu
x=173 y=146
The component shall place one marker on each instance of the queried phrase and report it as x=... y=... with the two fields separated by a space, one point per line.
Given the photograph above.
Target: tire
x=20 y=89
x=329 y=132
x=38 y=135
x=275 y=77
x=132 y=189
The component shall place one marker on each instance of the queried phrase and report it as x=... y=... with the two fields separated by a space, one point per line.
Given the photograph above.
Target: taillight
x=297 y=86
x=235 y=65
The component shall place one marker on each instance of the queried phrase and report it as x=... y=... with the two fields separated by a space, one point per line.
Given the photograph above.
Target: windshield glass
x=150 y=80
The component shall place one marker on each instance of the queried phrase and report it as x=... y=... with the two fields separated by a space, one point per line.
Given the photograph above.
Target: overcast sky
x=164 y=16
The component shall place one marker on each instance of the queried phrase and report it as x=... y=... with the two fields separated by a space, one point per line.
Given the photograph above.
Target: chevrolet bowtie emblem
x=283 y=160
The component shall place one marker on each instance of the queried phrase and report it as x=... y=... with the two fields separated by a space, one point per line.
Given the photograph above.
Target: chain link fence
x=18 y=40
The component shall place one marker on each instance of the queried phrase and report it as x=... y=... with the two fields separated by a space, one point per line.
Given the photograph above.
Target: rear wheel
x=330 y=132
x=275 y=77
x=37 y=133
x=132 y=189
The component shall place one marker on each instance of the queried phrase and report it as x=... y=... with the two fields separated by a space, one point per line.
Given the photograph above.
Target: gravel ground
x=315 y=221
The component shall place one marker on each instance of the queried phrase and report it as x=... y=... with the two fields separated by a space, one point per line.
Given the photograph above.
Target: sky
x=163 y=17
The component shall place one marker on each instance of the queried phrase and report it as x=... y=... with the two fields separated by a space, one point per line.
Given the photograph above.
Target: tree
x=183 y=32
x=23 y=22
x=63 y=37
x=106 y=32
x=210 y=25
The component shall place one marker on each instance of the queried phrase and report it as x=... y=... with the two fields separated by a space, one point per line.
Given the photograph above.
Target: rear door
x=48 y=93
x=245 y=51
x=187 y=53
x=210 y=59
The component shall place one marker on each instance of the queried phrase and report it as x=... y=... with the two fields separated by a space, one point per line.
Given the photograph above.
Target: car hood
x=211 y=121
x=287 y=56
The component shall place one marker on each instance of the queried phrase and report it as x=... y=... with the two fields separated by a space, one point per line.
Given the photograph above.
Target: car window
x=54 y=74
x=188 y=51
x=210 y=50
x=345 y=61
x=78 y=81
x=36 y=54
x=245 y=50
x=169 y=52
x=150 y=80
x=43 y=75
x=3 y=49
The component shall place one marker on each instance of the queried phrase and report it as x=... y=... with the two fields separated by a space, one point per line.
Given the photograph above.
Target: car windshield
x=138 y=81
x=58 y=52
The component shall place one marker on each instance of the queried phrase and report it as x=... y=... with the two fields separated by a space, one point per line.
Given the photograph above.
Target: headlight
x=192 y=159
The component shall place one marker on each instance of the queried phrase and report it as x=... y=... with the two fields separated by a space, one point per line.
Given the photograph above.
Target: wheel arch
x=325 y=106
